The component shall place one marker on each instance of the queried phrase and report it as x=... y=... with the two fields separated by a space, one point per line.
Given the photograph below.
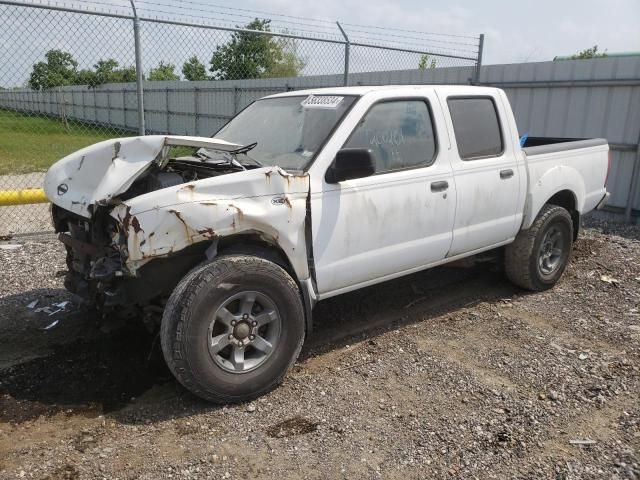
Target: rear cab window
x=476 y=126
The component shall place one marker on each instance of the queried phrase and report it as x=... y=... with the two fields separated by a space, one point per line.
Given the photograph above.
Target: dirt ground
x=450 y=373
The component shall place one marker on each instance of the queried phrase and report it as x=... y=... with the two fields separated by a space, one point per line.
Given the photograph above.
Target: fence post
x=347 y=48
x=633 y=188
x=476 y=74
x=235 y=99
x=140 y=91
x=195 y=111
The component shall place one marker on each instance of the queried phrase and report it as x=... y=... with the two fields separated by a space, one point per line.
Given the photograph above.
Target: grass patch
x=32 y=143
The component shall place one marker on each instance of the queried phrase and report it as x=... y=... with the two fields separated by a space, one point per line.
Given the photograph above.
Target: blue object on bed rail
x=523 y=139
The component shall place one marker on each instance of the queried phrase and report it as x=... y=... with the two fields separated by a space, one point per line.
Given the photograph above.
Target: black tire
x=524 y=265
x=187 y=321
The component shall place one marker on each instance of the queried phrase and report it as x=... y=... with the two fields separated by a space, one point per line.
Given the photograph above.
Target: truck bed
x=542 y=145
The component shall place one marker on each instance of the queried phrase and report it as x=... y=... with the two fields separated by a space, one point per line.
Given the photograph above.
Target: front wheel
x=232 y=328
x=538 y=256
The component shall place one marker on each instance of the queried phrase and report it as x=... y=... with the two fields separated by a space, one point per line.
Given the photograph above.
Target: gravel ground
x=450 y=373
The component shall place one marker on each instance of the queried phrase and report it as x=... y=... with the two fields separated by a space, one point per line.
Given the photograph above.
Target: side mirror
x=351 y=163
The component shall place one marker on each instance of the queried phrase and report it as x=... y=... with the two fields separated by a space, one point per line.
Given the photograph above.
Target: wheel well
x=257 y=244
x=567 y=200
x=253 y=243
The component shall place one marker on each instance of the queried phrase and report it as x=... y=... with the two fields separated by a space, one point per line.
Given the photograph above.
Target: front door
x=397 y=220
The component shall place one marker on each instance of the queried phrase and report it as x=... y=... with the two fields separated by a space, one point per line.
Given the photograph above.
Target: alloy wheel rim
x=244 y=332
x=551 y=251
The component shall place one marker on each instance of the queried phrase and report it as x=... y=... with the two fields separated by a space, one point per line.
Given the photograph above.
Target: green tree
x=59 y=69
x=164 y=71
x=589 y=53
x=287 y=62
x=106 y=71
x=193 y=70
x=426 y=62
x=255 y=55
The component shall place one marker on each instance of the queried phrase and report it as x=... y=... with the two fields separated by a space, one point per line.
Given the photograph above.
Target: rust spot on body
x=186 y=227
x=116 y=151
x=126 y=220
x=136 y=225
x=207 y=232
x=238 y=211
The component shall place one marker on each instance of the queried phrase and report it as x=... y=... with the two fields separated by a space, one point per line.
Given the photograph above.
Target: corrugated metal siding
x=579 y=98
x=573 y=98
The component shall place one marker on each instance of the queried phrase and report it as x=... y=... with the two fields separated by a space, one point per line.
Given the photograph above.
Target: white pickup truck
x=306 y=195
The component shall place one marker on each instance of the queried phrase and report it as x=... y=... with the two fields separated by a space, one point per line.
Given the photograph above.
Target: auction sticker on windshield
x=324 y=101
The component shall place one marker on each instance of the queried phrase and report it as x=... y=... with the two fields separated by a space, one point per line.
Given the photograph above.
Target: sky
x=517 y=31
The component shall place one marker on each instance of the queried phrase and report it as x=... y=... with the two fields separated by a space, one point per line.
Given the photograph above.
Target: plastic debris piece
x=33 y=304
x=51 y=325
x=610 y=280
x=10 y=246
x=582 y=442
x=53 y=308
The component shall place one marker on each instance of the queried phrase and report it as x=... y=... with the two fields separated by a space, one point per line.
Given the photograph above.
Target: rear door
x=400 y=218
x=487 y=171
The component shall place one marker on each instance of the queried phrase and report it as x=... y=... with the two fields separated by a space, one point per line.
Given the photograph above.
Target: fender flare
x=557 y=179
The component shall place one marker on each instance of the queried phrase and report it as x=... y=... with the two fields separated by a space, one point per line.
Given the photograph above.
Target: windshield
x=288 y=130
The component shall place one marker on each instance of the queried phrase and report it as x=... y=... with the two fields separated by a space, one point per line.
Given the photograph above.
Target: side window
x=399 y=133
x=477 y=128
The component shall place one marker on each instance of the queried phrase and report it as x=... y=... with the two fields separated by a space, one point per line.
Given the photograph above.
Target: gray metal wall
x=574 y=98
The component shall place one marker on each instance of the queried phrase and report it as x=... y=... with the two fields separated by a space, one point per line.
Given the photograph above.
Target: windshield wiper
x=231 y=155
x=244 y=149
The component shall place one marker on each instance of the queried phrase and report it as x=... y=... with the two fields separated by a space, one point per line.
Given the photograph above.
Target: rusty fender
x=267 y=201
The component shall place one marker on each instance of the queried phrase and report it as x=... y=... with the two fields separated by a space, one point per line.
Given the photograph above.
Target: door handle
x=439 y=186
x=504 y=174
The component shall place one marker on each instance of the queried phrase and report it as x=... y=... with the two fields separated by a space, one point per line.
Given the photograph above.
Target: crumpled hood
x=97 y=173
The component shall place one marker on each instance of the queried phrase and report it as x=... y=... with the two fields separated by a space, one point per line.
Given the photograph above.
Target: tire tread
x=183 y=296
x=518 y=254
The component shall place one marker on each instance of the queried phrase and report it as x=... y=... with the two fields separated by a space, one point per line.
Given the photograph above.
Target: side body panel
x=369 y=228
x=582 y=171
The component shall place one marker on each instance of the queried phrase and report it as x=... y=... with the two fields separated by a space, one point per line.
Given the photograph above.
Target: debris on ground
x=609 y=279
x=447 y=373
x=53 y=308
x=582 y=442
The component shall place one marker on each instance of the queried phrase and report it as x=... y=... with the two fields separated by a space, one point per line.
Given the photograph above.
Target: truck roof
x=363 y=90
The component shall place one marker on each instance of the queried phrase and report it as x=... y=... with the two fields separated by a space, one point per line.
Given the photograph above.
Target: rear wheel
x=232 y=328
x=538 y=256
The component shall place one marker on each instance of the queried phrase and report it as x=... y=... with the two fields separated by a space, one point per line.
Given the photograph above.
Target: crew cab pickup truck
x=306 y=195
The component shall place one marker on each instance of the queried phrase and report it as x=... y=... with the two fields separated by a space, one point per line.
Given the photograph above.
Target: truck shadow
x=91 y=373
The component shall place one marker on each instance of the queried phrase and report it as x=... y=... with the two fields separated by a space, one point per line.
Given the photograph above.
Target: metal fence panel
x=581 y=98
x=60 y=65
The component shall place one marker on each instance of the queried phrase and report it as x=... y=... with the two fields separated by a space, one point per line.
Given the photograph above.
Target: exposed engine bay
x=135 y=217
x=97 y=266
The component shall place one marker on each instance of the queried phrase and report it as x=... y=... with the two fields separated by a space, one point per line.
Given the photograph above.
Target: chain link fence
x=71 y=77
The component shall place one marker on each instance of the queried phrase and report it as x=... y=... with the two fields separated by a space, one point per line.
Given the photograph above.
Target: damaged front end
x=134 y=220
